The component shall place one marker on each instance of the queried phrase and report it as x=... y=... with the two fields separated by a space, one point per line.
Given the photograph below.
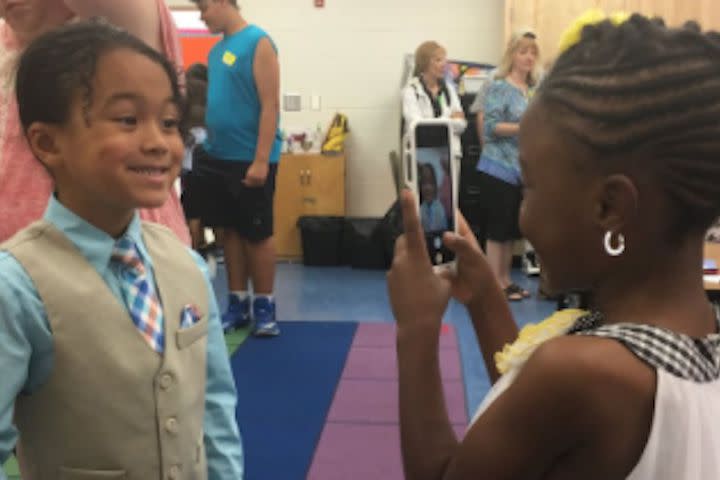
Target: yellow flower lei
x=532 y=336
x=573 y=33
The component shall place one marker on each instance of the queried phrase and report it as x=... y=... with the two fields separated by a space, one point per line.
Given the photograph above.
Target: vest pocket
x=82 y=474
x=187 y=336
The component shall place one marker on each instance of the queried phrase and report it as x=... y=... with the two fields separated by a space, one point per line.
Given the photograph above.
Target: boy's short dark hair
x=197 y=71
x=59 y=63
x=196 y=101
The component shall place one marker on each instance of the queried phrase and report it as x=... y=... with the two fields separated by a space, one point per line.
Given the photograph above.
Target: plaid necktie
x=139 y=293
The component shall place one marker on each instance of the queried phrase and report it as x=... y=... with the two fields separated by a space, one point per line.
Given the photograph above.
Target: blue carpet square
x=285 y=387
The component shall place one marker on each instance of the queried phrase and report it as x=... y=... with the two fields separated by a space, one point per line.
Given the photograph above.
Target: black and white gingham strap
x=695 y=359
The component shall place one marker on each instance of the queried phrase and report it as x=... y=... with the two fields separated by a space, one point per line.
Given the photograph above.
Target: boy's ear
x=44 y=143
x=616 y=203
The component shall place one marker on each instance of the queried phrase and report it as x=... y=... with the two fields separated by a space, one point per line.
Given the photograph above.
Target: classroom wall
x=549 y=18
x=350 y=53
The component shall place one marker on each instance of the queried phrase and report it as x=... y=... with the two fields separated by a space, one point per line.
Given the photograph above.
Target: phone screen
x=435 y=188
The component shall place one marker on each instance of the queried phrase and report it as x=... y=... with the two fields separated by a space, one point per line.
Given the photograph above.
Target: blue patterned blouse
x=504 y=103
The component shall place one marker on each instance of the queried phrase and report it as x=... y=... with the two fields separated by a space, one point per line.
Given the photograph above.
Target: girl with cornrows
x=620 y=154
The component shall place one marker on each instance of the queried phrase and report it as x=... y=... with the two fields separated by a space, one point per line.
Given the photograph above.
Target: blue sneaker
x=264 y=316
x=237 y=314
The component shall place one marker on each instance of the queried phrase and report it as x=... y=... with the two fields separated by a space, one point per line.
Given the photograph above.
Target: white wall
x=351 y=52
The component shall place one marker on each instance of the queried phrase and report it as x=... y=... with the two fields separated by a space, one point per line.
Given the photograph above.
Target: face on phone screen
x=435 y=188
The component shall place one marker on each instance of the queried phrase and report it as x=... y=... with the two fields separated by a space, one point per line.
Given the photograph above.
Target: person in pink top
x=25 y=186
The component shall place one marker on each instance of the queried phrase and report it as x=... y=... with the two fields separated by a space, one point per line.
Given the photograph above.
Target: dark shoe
x=517 y=288
x=512 y=294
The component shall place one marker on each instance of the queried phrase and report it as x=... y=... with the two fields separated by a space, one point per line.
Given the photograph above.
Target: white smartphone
x=431 y=173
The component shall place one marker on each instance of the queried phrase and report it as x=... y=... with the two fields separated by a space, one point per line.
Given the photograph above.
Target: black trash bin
x=362 y=244
x=321 y=238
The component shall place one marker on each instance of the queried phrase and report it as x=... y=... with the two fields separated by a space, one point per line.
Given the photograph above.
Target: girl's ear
x=43 y=139
x=616 y=203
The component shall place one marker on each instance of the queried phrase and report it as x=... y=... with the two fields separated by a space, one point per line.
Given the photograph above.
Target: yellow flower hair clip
x=572 y=35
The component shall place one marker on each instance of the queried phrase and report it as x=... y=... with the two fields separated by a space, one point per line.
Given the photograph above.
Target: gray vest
x=113 y=408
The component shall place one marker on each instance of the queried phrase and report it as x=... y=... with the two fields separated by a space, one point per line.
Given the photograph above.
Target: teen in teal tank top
x=233 y=104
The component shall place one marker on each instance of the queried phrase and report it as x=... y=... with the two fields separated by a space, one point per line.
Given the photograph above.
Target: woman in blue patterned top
x=505 y=102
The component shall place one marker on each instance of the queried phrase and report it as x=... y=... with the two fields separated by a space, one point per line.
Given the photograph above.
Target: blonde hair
x=424 y=54
x=518 y=40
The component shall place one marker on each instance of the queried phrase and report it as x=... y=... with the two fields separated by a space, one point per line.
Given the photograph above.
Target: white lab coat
x=417 y=105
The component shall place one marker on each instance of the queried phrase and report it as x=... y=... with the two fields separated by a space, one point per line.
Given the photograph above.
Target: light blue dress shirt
x=432 y=216
x=26 y=344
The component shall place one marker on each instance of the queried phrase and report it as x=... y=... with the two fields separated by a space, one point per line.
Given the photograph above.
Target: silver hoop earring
x=614 y=251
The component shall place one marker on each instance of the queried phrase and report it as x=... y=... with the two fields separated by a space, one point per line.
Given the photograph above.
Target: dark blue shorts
x=221 y=199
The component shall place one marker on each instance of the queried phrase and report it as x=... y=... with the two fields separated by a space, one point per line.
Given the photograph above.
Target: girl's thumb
x=457 y=244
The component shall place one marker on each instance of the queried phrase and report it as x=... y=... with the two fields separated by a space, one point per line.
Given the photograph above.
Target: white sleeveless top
x=684 y=441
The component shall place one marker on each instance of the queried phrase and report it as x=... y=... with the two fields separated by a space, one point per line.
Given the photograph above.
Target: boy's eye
x=127 y=120
x=171 y=123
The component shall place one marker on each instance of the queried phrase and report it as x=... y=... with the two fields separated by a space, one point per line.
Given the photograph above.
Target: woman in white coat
x=427 y=95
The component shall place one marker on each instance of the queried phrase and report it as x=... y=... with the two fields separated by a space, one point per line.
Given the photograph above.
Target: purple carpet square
x=354 y=451
x=383 y=335
x=376 y=401
x=381 y=363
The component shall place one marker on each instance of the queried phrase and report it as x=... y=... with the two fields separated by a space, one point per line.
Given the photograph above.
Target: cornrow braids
x=649 y=93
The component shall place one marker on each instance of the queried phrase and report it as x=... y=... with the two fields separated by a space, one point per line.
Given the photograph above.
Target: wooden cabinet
x=549 y=18
x=306 y=184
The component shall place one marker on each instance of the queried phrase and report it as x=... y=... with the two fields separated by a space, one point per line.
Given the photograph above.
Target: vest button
x=174 y=472
x=171 y=425
x=166 y=380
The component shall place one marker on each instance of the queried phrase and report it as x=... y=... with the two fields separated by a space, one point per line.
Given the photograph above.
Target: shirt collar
x=94 y=244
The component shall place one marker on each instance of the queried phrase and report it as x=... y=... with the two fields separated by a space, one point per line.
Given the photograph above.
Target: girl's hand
x=418 y=295
x=472 y=275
